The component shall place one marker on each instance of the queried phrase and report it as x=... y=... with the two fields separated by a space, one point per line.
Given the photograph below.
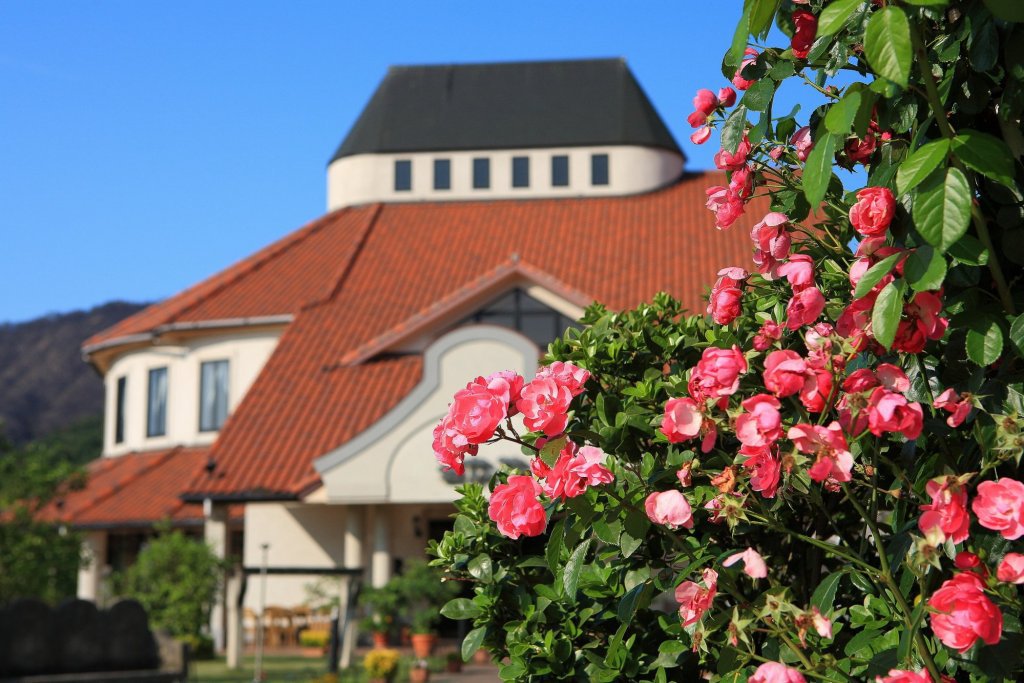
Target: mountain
x=46 y=386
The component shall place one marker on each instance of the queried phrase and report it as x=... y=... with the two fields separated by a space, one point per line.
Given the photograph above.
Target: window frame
x=481 y=173
x=595 y=159
x=120 y=404
x=446 y=164
x=203 y=428
x=150 y=433
x=558 y=160
x=403 y=171
x=520 y=171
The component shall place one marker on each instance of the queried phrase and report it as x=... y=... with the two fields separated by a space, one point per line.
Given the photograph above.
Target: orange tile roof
x=135 y=489
x=361 y=278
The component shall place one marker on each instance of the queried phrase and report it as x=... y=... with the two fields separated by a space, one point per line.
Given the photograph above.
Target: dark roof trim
x=238 y=497
x=511 y=105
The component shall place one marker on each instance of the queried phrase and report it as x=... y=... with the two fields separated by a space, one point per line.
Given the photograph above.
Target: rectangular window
x=442 y=174
x=560 y=170
x=213 y=395
x=599 y=169
x=520 y=171
x=403 y=175
x=156 y=412
x=481 y=173
x=122 y=386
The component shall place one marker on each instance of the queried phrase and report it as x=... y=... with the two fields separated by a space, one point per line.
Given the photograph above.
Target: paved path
x=471 y=673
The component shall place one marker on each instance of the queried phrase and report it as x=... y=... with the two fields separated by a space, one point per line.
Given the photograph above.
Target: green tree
x=37 y=558
x=176 y=579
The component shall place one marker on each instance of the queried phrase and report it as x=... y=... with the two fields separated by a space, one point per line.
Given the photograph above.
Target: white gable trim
x=402 y=419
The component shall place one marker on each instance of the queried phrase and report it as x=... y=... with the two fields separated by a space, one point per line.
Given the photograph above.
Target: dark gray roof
x=505 y=106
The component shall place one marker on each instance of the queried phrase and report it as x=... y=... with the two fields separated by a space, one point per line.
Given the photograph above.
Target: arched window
x=519 y=311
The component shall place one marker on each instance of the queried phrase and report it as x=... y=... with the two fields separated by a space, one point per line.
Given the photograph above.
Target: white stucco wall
x=313 y=535
x=364 y=178
x=246 y=353
x=393 y=461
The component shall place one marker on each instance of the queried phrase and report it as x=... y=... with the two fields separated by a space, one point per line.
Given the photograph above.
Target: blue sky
x=147 y=145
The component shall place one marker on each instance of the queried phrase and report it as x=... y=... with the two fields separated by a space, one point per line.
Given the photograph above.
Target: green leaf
x=733 y=129
x=887 y=45
x=550 y=451
x=734 y=57
x=835 y=15
x=942 y=211
x=920 y=164
x=762 y=12
x=985 y=154
x=927 y=3
x=970 y=251
x=984 y=340
x=472 y=642
x=480 y=568
x=571 y=577
x=633 y=533
x=825 y=594
x=875 y=274
x=630 y=602
x=553 y=551
x=925 y=269
x=1017 y=335
x=885 y=317
x=839 y=118
x=1007 y=10
x=818 y=169
x=758 y=96
x=461 y=608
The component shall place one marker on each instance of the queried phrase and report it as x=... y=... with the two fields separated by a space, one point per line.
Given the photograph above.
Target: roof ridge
x=346 y=268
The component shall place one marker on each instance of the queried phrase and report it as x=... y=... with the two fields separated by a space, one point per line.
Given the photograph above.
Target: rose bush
x=819 y=480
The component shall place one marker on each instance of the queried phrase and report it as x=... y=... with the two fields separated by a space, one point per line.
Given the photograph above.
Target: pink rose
x=733 y=161
x=999 y=506
x=682 y=419
x=948 y=510
x=574 y=471
x=854 y=322
x=705 y=102
x=684 y=474
x=568 y=375
x=873 y=212
x=832 y=455
x=669 y=508
x=773 y=672
x=477 y=410
x=701 y=135
x=892 y=412
x=448 y=453
x=753 y=564
x=804 y=308
x=769 y=333
x=921 y=321
x=515 y=508
x=724 y=302
x=802 y=142
x=741 y=183
x=694 y=600
x=507 y=385
x=817 y=389
x=1011 y=569
x=741 y=83
x=726 y=204
x=785 y=372
x=727 y=97
x=799 y=270
x=957 y=404
x=900 y=676
x=761 y=424
x=717 y=373
x=771 y=243
x=765 y=468
x=805 y=27
x=961 y=613
x=544 y=404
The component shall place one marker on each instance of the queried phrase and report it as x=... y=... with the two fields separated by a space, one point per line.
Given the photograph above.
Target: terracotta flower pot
x=453 y=665
x=481 y=656
x=423 y=644
x=416 y=674
x=380 y=640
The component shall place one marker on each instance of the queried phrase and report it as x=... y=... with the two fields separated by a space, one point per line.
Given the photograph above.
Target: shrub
x=381 y=663
x=309 y=638
x=820 y=480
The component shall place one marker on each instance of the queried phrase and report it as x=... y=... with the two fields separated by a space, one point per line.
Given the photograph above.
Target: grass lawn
x=276 y=669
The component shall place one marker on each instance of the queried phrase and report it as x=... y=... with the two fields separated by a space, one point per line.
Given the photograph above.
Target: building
x=473 y=212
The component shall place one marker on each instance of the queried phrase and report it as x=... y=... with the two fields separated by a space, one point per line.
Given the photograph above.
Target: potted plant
x=314 y=643
x=381 y=665
x=419 y=672
x=383 y=604
x=453 y=663
x=424 y=592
